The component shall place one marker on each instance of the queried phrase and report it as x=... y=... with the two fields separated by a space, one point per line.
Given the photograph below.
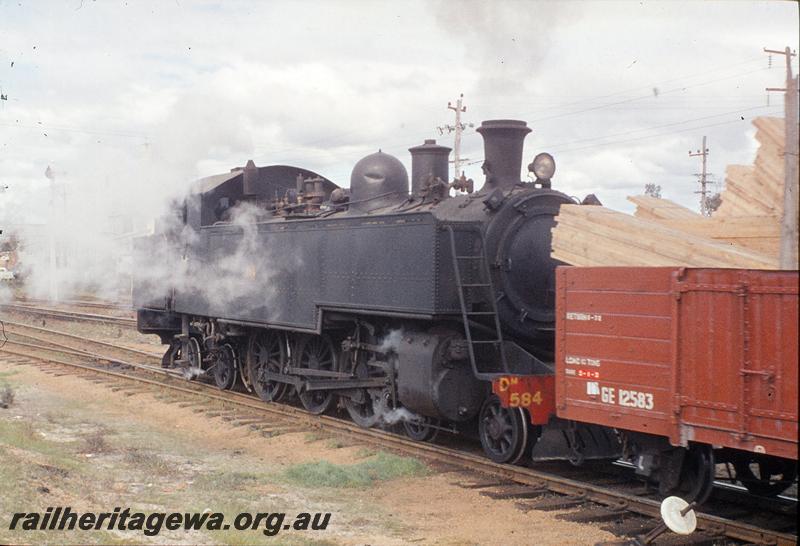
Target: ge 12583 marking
x=623 y=397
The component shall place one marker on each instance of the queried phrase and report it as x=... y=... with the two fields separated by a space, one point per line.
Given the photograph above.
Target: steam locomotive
x=378 y=298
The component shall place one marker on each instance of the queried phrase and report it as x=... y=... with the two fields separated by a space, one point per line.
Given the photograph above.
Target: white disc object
x=671 y=509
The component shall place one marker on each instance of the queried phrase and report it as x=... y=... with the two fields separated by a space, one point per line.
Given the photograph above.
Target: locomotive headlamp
x=543 y=166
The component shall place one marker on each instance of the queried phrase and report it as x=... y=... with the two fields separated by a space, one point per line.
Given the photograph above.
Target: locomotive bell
x=502 y=144
x=378 y=180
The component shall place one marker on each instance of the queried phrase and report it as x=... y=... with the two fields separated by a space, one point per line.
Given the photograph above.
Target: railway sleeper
x=479 y=485
x=594 y=514
x=556 y=503
x=248 y=422
x=517 y=493
x=632 y=526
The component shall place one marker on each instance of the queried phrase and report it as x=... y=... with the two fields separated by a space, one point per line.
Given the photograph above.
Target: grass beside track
x=380 y=467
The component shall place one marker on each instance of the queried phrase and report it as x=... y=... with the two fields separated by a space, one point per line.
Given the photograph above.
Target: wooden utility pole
x=458 y=128
x=789 y=219
x=704 y=209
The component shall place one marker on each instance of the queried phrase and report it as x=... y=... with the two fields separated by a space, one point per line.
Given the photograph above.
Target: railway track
x=596 y=496
x=68 y=315
x=79 y=344
x=96 y=304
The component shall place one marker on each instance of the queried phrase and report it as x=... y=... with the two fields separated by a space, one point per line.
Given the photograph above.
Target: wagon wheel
x=266 y=352
x=534 y=432
x=767 y=477
x=423 y=429
x=225 y=367
x=503 y=431
x=697 y=475
x=317 y=353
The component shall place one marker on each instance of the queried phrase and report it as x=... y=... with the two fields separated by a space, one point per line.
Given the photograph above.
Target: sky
x=127 y=102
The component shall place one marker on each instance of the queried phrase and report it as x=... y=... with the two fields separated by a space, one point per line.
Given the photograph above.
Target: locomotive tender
x=384 y=299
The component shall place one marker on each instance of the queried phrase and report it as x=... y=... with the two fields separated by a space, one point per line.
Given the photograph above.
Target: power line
x=642 y=97
x=650 y=86
x=657 y=135
x=593 y=139
x=42 y=127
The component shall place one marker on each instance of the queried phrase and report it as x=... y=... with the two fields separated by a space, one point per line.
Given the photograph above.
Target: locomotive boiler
x=384 y=299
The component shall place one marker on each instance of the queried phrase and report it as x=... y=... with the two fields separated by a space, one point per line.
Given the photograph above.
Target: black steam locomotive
x=387 y=302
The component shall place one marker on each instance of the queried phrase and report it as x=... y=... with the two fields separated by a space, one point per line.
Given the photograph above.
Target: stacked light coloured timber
x=744 y=232
x=593 y=235
x=760 y=233
x=757 y=190
x=655 y=208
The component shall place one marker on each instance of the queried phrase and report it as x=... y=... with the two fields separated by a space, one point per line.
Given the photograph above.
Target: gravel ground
x=67 y=441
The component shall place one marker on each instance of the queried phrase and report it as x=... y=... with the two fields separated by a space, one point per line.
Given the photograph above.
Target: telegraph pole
x=458 y=108
x=789 y=219
x=704 y=209
x=458 y=128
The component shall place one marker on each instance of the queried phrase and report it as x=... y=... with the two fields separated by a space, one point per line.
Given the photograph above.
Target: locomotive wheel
x=765 y=476
x=317 y=353
x=194 y=357
x=423 y=430
x=266 y=351
x=225 y=367
x=363 y=412
x=503 y=431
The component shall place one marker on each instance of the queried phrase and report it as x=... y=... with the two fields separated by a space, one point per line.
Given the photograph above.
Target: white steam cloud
x=507 y=40
x=244 y=265
x=391 y=341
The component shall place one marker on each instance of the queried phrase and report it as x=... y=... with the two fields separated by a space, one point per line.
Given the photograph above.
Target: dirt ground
x=66 y=441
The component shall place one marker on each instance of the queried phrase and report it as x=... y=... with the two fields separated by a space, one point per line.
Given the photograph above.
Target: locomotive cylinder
x=429 y=161
x=431 y=382
x=502 y=144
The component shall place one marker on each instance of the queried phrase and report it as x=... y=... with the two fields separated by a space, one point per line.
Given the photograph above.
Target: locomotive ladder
x=483 y=282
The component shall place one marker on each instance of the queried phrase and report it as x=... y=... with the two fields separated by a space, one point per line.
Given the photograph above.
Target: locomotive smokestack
x=502 y=145
x=428 y=161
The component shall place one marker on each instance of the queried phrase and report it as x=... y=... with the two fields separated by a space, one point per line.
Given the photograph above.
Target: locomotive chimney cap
x=429 y=146
x=504 y=124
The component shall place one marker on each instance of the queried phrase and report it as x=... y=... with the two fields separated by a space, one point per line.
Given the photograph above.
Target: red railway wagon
x=693 y=366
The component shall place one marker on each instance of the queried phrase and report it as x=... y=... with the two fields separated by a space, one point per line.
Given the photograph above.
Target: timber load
x=744 y=232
